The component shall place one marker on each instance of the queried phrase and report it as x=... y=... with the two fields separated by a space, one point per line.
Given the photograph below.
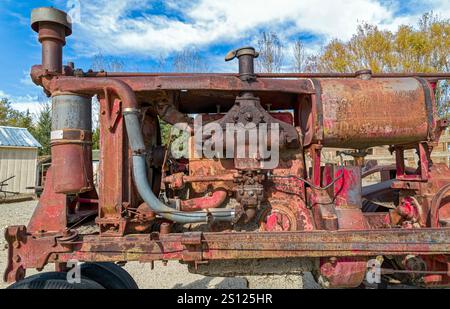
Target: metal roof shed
x=18 y=157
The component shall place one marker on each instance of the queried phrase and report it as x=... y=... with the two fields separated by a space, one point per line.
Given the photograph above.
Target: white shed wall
x=19 y=162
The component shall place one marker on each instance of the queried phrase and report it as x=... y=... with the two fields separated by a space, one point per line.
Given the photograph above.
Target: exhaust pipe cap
x=49 y=14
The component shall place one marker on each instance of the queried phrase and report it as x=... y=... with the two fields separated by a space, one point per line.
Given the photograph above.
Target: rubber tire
x=54 y=281
x=109 y=275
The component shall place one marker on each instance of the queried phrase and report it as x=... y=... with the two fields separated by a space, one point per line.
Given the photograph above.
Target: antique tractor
x=242 y=189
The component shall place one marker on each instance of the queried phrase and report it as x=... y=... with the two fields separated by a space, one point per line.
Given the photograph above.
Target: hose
x=144 y=189
x=136 y=140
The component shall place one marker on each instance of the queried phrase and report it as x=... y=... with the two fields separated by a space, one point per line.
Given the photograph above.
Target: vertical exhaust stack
x=246 y=57
x=53 y=26
x=71 y=137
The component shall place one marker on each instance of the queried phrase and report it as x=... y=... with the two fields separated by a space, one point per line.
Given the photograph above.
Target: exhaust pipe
x=133 y=128
x=53 y=27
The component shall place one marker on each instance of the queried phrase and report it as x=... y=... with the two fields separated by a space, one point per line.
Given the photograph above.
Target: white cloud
x=26 y=79
x=4 y=95
x=26 y=103
x=23 y=103
x=106 y=25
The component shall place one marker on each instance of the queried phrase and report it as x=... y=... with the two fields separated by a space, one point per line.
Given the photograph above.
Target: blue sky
x=138 y=32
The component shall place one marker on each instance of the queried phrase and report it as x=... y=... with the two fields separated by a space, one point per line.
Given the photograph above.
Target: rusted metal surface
x=340 y=272
x=274 y=75
x=50 y=214
x=71 y=143
x=248 y=110
x=246 y=56
x=25 y=252
x=36 y=252
x=344 y=272
x=212 y=200
x=365 y=113
x=113 y=166
x=441 y=265
x=53 y=26
x=288 y=211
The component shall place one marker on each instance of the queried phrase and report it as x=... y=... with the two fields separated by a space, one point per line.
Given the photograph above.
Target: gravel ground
x=172 y=276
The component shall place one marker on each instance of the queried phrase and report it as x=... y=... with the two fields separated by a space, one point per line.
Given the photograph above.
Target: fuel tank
x=361 y=113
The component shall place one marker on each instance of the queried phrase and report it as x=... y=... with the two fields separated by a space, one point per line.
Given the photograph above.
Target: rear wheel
x=54 y=281
x=109 y=275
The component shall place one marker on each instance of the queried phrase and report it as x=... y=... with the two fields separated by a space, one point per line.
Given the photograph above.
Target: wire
x=341 y=175
x=309 y=183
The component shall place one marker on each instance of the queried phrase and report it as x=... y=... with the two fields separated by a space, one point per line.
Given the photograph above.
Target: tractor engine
x=227 y=174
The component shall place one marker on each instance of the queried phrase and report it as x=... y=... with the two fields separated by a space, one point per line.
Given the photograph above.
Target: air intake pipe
x=136 y=140
x=140 y=178
x=71 y=143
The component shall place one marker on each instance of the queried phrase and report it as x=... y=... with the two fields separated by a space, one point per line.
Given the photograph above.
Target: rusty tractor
x=237 y=212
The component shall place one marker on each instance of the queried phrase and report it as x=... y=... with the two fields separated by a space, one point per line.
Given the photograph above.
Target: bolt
x=17 y=259
x=165 y=228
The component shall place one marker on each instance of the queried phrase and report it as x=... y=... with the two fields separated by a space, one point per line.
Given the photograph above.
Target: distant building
x=18 y=157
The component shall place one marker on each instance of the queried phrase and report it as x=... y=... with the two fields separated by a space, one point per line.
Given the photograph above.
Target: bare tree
x=189 y=60
x=312 y=64
x=108 y=64
x=300 y=58
x=161 y=63
x=271 y=56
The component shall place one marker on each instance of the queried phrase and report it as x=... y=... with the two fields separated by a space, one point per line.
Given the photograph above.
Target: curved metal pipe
x=144 y=189
x=436 y=205
x=95 y=85
x=130 y=107
x=212 y=201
